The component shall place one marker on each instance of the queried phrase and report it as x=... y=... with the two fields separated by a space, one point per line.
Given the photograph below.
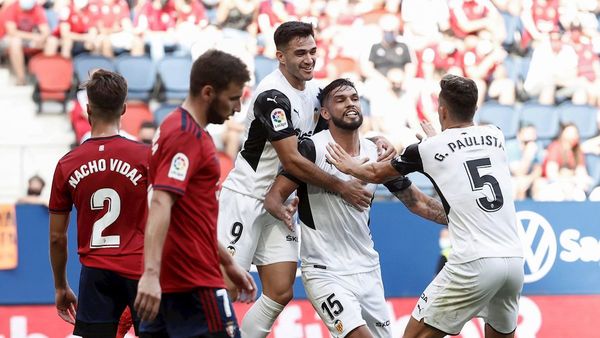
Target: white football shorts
x=251 y=234
x=345 y=302
x=487 y=287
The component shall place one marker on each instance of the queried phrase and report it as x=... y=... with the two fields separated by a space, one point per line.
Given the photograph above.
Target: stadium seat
x=140 y=73
x=83 y=63
x=161 y=112
x=136 y=114
x=504 y=117
x=53 y=79
x=544 y=118
x=583 y=116
x=172 y=71
x=263 y=66
x=592 y=163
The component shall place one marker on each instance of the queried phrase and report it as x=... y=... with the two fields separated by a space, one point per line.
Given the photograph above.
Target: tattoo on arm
x=422 y=205
x=436 y=210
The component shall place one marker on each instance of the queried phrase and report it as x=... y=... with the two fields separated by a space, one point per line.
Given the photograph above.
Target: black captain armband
x=398 y=184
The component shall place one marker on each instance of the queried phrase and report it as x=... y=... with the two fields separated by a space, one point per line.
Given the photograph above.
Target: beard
x=340 y=123
x=213 y=115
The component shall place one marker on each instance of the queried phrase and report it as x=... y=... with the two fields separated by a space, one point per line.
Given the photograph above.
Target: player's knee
x=281 y=296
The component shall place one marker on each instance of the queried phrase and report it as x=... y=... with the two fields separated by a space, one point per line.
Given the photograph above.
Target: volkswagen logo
x=539 y=244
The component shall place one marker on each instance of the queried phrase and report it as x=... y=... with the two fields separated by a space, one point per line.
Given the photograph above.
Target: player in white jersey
x=285 y=107
x=468 y=166
x=340 y=267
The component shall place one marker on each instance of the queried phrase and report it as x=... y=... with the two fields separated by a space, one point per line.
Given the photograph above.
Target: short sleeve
x=273 y=109
x=40 y=16
x=176 y=161
x=61 y=200
x=306 y=148
x=409 y=161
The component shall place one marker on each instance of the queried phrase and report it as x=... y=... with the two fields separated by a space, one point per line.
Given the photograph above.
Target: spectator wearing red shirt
x=539 y=17
x=26 y=27
x=178 y=291
x=106 y=178
x=588 y=62
x=155 y=25
x=76 y=31
x=190 y=20
x=113 y=21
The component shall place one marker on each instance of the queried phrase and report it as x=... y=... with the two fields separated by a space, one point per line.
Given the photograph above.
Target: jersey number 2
x=478 y=182
x=114 y=209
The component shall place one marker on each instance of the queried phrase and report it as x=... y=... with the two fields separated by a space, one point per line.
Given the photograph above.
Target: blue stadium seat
x=174 y=73
x=140 y=73
x=263 y=66
x=544 y=118
x=504 y=117
x=83 y=63
x=583 y=116
x=161 y=112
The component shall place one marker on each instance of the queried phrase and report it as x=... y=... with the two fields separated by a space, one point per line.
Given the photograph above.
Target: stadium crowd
x=535 y=62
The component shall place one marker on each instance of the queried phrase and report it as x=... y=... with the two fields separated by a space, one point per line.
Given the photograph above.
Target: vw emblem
x=539 y=254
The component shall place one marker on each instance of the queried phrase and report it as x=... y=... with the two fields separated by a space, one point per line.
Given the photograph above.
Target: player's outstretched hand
x=428 y=129
x=385 y=149
x=243 y=282
x=345 y=163
x=147 y=301
x=66 y=304
x=287 y=213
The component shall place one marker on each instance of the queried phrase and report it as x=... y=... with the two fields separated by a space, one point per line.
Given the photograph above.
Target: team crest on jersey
x=279 y=120
x=338 y=326
x=231 y=250
x=179 y=167
x=230 y=328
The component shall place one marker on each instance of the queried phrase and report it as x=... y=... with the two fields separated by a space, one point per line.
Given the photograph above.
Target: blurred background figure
x=35 y=187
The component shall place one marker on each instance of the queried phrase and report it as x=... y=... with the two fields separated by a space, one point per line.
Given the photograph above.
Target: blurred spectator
x=35 y=186
x=155 y=24
x=588 y=63
x=271 y=13
x=237 y=17
x=147 y=132
x=191 y=18
x=445 y=249
x=472 y=16
x=113 y=21
x=539 y=17
x=553 y=72
x=424 y=20
x=26 y=33
x=76 y=31
x=564 y=172
x=525 y=158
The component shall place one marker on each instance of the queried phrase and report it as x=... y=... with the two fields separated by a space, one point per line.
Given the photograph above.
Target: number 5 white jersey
x=469 y=169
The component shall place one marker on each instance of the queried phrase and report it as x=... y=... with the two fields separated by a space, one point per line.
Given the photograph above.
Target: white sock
x=259 y=319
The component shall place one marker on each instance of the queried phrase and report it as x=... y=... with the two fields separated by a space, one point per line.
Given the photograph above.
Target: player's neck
x=347 y=139
x=294 y=82
x=104 y=129
x=455 y=125
x=195 y=110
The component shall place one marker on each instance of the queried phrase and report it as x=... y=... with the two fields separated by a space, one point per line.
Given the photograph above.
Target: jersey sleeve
x=61 y=200
x=176 y=162
x=409 y=161
x=306 y=148
x=274 y=111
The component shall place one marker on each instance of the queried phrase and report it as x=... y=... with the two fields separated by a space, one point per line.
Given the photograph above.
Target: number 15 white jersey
x=469 y=169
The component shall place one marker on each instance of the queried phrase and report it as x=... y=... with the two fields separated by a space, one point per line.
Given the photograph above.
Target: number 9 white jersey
x=469 y=169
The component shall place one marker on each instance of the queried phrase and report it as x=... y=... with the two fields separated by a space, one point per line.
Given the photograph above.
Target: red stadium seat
x=54 y=78
x=136 y=114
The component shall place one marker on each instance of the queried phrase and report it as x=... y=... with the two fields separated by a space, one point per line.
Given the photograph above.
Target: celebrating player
x=182 y=282
x=106 y=178
x=284 y=109
x=340 y=267
x=469 y=168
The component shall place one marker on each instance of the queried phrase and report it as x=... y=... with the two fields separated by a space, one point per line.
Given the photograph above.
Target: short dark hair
x=217 y=69
x=459 y=94
x=37 y=178
x=106 y=92
x=148 y=124
x=287 y=31
x=335 y=84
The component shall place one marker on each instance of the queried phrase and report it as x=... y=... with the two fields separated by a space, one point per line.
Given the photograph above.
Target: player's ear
x=124 y=108
x=280 y=57
x=325 y=113
x=88 y=110
x=207 y=92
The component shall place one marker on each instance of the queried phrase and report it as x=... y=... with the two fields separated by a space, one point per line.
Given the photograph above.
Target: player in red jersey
x=106 y=178
x=181 y=248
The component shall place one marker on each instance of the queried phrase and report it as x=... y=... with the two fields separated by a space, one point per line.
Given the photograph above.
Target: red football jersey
x=106 y=178
x=184 y=163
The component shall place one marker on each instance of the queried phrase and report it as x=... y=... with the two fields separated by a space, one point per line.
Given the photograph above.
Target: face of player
x=299 y=58
x=343 y=106
x=225 y=103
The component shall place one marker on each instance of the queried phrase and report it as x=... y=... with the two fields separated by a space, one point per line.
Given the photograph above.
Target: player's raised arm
x=149 y=291
x=276 y=197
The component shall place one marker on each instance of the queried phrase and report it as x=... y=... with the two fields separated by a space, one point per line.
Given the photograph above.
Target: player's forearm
x=308 y=172
x=58 y=259
x=156 y=233
x=420 y=204
x=277 y=195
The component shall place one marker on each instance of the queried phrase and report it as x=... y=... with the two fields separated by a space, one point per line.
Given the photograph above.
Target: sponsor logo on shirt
x=179 y=167
x=279 y=120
